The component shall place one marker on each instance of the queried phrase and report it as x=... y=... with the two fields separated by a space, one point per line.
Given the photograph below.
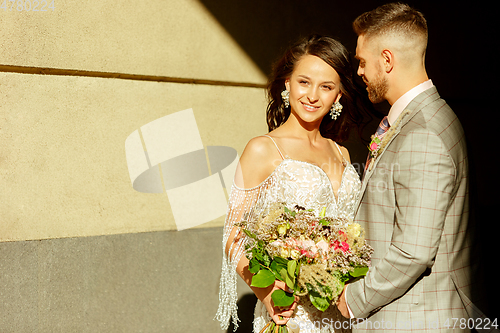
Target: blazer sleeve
x=423 y=190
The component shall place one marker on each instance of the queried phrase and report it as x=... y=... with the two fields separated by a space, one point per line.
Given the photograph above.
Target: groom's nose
x=361 y=71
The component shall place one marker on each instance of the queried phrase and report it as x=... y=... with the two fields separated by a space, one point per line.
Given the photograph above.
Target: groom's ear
x=387 y=60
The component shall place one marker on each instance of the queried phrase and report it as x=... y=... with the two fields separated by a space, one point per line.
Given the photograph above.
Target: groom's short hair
x=393 y=19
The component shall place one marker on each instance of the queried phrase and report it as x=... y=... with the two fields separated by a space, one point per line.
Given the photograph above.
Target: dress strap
x=344 y=161
x=279 y=151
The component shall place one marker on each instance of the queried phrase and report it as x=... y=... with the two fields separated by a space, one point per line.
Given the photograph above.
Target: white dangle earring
x=335 y=110
x=285 y=96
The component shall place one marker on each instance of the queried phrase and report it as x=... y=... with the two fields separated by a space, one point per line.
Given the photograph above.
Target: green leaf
x=261 y=256
x=321 y=303
x=264 y=278
x=290 y=279
x=282 y=298
x=288 y=211
x=323 y=212
x=249 y=234
x=283 y=274
x=281 y=261
x=254 y=266
x=267 y=259
x=359 y=271
x=257 y=254
x=276 y=268
x=289 y=282
x=297 y=270
x=292 y=264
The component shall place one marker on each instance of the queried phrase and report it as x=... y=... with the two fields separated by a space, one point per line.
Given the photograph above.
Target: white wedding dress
x=295 y=183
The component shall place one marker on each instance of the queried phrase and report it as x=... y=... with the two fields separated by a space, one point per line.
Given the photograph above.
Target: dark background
x=461 y=61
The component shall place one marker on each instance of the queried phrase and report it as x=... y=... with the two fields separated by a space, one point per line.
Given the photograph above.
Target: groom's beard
x=377 y=88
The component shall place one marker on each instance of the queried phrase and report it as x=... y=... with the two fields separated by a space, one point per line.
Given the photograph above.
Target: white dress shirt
x=398 y=107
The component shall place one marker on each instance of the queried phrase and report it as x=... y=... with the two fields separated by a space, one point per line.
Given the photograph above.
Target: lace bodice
x=295 y=183
x=307 y=185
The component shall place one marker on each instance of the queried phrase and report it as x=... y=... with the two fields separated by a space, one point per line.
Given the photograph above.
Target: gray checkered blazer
x=414 y=209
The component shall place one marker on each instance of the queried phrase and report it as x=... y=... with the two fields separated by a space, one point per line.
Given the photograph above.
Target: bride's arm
x=257 y=162
x=280 y=316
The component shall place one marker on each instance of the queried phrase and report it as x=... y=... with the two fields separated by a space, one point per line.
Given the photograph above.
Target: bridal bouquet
x=314 y=255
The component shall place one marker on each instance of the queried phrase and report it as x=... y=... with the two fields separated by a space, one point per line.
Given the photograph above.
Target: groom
x=414 y=202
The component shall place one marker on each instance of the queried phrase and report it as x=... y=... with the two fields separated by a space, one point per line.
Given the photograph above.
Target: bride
x=312 y=107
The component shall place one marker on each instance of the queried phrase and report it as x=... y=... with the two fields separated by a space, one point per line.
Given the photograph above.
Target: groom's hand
x=342 y=305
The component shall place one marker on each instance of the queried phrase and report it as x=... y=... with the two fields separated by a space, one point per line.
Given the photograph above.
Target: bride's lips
x=309 y=107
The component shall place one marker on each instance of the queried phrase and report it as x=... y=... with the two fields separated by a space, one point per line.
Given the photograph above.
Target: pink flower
x=373 y=146
x=341 y=246
x=308 y=247
x=307 y=243
x=310 y=254
x=277 y=243
x=322 y=245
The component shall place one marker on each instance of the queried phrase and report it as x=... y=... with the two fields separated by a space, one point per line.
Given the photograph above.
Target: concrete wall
x=63 y=136
x=64 y=167
x=135 y=282
x=81 y=249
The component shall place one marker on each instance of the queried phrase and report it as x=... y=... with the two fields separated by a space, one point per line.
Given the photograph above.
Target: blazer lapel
x=410 y=111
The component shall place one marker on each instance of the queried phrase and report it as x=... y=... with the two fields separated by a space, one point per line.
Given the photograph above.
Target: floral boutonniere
x=378 y=144
x=374 y=145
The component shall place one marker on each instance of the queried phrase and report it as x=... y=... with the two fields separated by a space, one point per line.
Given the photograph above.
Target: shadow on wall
x=264 y=29
x=246 y=307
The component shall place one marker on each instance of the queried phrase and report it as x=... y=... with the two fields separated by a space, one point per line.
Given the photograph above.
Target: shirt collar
x=398 y=107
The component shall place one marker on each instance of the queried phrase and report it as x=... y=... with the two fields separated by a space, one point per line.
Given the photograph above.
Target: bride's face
x=314 y=86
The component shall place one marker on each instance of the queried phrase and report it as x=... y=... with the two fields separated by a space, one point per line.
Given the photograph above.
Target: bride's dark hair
x=334 y=54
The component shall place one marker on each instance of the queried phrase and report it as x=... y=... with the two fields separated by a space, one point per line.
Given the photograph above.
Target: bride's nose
x=312 y=95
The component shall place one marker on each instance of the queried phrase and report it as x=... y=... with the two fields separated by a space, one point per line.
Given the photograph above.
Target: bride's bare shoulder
x=259 y=147
x=257 y=162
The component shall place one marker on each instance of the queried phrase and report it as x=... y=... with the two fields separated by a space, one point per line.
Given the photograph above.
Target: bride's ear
x=338 y=97
x=287 y=84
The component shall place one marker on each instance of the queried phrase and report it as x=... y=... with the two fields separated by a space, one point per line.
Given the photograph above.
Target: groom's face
x=371 y=71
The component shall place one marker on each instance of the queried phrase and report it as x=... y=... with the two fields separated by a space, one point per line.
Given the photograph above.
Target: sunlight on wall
x=62 y=156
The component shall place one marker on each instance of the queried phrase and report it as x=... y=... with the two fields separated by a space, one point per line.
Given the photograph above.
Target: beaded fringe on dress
x=241 y=204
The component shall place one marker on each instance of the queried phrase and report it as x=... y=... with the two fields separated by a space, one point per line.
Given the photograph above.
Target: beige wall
x=166 y=38
x=62 y=157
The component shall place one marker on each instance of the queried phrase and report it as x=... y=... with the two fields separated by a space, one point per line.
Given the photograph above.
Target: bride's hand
x=278 y=314
x=264 y=294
